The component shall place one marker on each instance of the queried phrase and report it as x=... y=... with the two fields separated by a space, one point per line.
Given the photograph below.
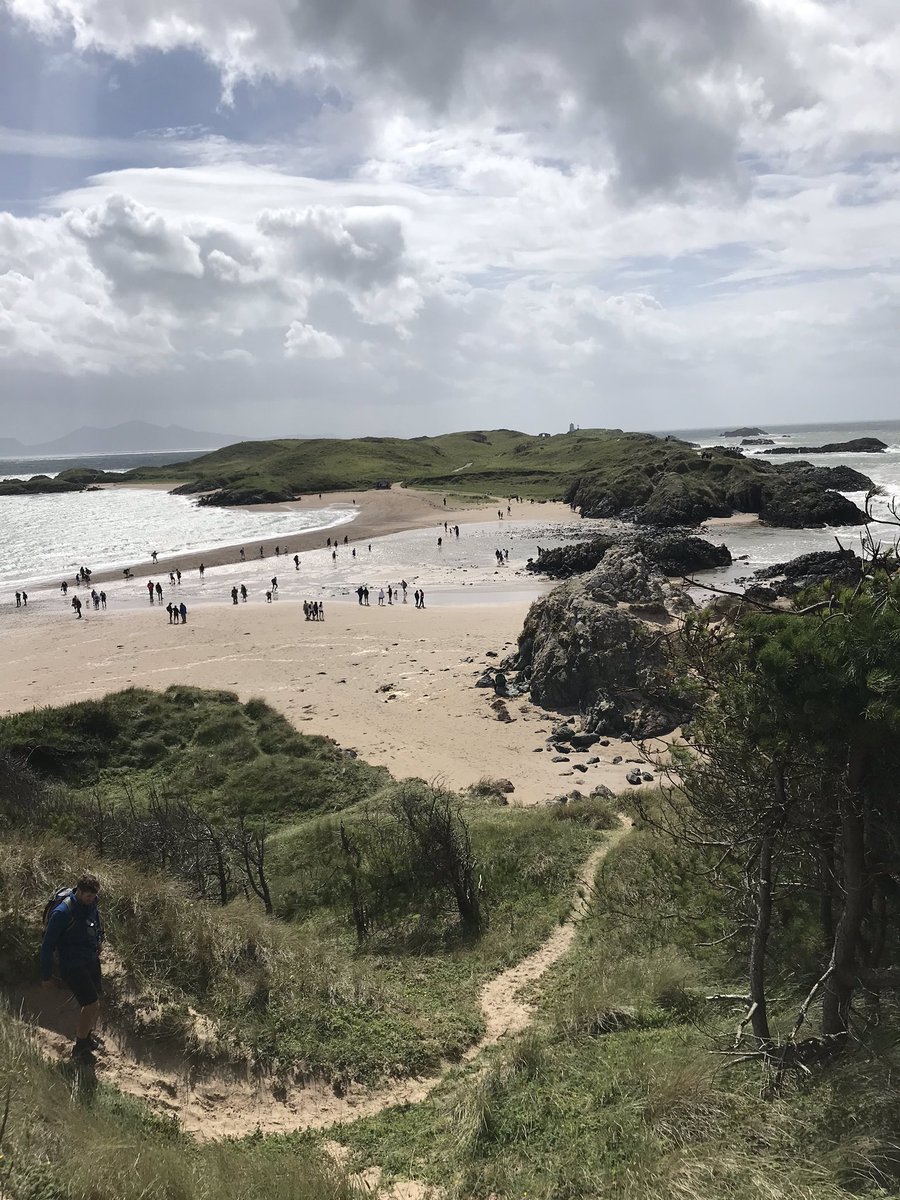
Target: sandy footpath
x=326 y=678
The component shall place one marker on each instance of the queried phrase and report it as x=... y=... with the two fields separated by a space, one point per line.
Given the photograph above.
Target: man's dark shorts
x=85 y=983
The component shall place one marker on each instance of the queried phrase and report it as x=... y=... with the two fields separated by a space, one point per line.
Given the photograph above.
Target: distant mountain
x=129 y=437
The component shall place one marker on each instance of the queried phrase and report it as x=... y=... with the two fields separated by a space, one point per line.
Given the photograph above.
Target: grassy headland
x=603 y=472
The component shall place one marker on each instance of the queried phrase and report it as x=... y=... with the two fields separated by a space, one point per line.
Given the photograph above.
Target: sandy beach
x=327 y=678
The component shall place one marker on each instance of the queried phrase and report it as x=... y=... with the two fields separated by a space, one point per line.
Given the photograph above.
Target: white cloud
x=303 y=341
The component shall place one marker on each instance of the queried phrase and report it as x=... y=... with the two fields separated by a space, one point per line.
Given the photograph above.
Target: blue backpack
x=60 y=896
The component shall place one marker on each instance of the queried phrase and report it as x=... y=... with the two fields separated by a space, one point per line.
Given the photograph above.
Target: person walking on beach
x=150 y=589
x=178 y=575
x=334 y=556
x=440 y=543
x=421 y=598
x=274 y=583
x=64 y=587
x=404 y=585
x=359 y=593
x=76 y=604
x=73 y=932
x=390 y=594
x=320 y=610
x=416 y=597
x=243 y=555
x=154 y=554
x=25 y=599
x=182 y=608
x=277 y=551
x=234 y=595
x=261 y=552
x=202 y=570
x=244 y=592
x=365 y=597
x=159 y=591
x=170 y=609
x=171 y=578
x=103 y=599
x=18 y=599
x=296 y=562
x=305 y=610
x=381 y=597
x=268 y=597
x=95 y=598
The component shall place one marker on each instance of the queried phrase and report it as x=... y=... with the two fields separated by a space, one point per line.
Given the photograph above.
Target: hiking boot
x=83 y=1053
x=96 y=1042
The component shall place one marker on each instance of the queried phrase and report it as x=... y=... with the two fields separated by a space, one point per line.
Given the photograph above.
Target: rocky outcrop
x=794 y=503
x=865 y=445
x=579 y=649
x=840 y=478
x=757 y=441
x=673 y=552
x=744 y=431
x=840 y=567
x=677 y=487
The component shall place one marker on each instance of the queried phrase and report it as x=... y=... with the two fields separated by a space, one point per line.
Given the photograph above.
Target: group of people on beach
x=175 y=611
x=314 y=610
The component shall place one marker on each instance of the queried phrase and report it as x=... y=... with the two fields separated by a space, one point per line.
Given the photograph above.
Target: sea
x=46 y=538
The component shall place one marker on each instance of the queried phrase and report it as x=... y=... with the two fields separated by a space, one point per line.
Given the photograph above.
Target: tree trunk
x=759 y=1014
x=845 y=951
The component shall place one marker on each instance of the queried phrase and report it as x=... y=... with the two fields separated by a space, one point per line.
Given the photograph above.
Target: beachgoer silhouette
x=178 y=575
x=296 y=562
x=202 y=570
x=25 y=599
x=421 y=598
x=95 y=598
x=268 y=597
x=182 y=608
x=440 y=543
x=170 y=609
x=63 y=587
x=103 y=599
x=172 y=578
x=370 y=547
x=403 y=585
x=445 y=502
x=456 y=530
x=18 y=599
x=416 y=597
x=76 y=604
x=234 y=595
x=306 y=610
x=261 y=553
x=274 y=583
x=320 y=608
x=277 y=551
x=365 y=597
x=508 y=509
x=445 y=527
x=159 y=592
x=346 y=539
x=390 y=594
x=334 y=556
x=381 y=596
x=353 y=552
x=244 y=592
x=328 y=542
x=243 y=555
x=359 y=593
x=154 y=554
x=506 y=555
x=150 y=589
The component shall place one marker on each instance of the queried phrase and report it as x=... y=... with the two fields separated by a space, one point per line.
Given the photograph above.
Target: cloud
x=303 y=341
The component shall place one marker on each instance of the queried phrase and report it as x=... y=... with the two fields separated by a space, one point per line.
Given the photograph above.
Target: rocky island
x=863 y=445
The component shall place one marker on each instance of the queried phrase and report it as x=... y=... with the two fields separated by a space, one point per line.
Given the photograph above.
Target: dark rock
x=744 y=431
x=500 y=684
x=592 y=760
x=617 y=760
x=757 y=441
x=486 y=680
x=602 y=792
x=840 y=567
x=604 y=741
x=583 y=741
x=841 y=478
x=578 y=767
x=634 y=777
x=794 y=503
x=386 y=687
x=505 y=785
x=490 y=654
x=647 y=777
x=559 y=758
x=538 y=750
x=864 y=445
x=760 y=593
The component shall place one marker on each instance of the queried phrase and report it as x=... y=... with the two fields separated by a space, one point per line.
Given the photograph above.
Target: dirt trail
x=213 y=1104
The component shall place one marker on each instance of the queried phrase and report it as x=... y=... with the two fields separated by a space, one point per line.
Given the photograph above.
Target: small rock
x=386 y=687
x=486 y=680
x=647 y=777
x=601 y=792
x=538 y=750
x=592 y=760
x=578 y=767
x=490 y=654
x=604 y=741
x=617 y=760
x=559 y=758
x=633 y=777
x=566 y=772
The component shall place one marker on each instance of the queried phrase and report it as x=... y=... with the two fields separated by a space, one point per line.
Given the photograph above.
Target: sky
x=338 y=217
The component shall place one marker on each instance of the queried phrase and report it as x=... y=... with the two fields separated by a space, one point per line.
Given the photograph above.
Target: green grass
x=619 y=1089
x=297 y=989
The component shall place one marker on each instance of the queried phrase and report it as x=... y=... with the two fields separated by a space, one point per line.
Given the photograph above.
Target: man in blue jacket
x=74 y=932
